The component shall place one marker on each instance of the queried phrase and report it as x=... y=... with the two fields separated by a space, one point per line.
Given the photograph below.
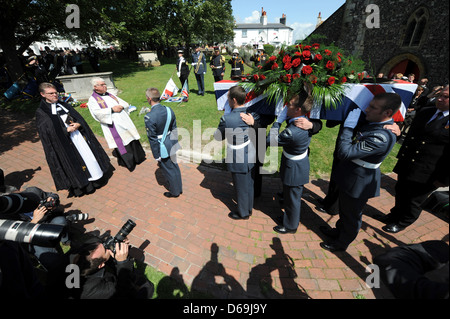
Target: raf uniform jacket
x=371 y=145
x=199 y=62
x=155 y=122
x=424 y=155
x=240 y=158
x=295 y=141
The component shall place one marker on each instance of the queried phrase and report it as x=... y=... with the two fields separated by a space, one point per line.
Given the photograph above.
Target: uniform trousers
x=172 y=173
x=184 y=78
x=292 y=205
x=409 y=197
x=244 y=187
x=350 y=218
x=200 y=82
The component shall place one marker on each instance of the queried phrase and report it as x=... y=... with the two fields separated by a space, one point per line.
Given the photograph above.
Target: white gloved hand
x=352 y=118
x=282 y=117
x=158 y=159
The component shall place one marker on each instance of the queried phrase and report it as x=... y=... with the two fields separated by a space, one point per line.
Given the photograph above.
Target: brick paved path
x=192 y=234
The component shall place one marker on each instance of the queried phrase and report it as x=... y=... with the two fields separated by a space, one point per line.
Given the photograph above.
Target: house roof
x=261 y=26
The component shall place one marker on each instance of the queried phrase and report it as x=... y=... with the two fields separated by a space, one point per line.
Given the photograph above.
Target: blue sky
x=301 y=15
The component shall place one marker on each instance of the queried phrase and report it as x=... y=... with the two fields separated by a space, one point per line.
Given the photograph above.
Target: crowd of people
x=79 y=164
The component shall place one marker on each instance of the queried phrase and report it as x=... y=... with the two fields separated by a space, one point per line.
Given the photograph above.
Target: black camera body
x=49 y=203
x=110 y=242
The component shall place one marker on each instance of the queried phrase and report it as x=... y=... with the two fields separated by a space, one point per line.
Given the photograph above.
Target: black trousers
x=184 y=78
x=409 y=197
x=331 y=200
x=244 y=187
x=350 y=218
x=292 y=205
x=171 y=172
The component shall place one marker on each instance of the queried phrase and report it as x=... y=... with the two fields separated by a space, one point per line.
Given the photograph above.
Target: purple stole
x=112 y=127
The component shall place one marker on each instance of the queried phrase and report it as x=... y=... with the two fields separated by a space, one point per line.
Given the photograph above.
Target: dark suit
x=359 y=181
x=422 y=160
x=294 y=168
x=241 y=157
x=155 y=122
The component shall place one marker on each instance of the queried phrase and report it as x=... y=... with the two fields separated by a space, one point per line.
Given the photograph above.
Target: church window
x=416 y=27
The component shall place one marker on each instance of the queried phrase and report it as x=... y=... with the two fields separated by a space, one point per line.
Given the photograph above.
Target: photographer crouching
x=33 y=222
x=107 y=271
x=35 y=206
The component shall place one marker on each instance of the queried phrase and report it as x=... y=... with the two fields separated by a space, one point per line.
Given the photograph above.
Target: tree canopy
x=132 y=23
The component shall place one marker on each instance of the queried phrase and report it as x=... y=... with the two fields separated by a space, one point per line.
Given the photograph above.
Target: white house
x=263 y=32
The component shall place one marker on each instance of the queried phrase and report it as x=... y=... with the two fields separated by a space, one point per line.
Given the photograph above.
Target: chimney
x=319 y=20
x=263 y=17
x=283 y=19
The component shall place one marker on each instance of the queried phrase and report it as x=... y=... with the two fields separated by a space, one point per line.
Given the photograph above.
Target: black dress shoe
x=393 y=228
x=284 y=230
x=330 y=232
x=170 y=195
x=322 y=209
x=331 y=247
x=236 y=216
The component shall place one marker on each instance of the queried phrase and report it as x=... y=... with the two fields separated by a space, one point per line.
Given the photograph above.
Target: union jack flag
x=355 y=94
x=361 y=94
x=257 y=104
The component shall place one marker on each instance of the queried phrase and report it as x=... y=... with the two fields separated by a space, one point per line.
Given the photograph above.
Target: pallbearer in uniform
x=119 y=130
x=161 y=126
x=217 y=65
x=241 y=152
x=76 y=159
x=199 y=65
x=358 y=174
x=237 y=66
x=294 y=168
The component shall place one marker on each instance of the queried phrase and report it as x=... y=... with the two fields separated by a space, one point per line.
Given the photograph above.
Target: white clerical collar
x=57 y=107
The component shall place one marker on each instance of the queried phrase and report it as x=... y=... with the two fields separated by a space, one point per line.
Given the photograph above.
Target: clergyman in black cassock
x=77 y=161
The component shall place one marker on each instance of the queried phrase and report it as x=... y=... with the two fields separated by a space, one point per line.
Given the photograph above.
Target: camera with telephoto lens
x=45 y=235
x=110 y=242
